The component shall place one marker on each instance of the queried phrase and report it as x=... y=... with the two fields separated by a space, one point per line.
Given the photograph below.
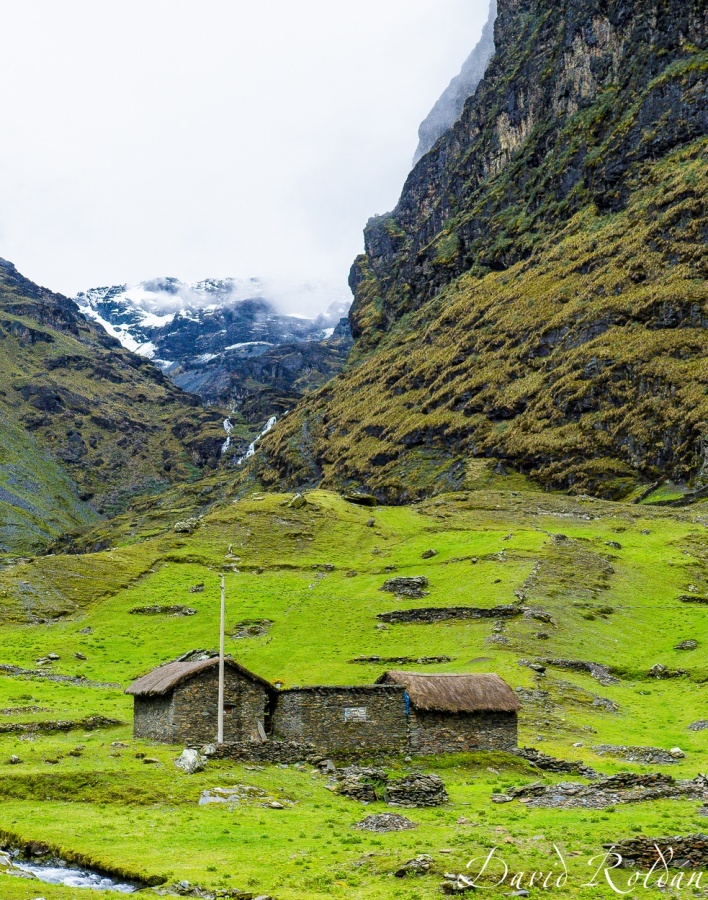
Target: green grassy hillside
x=608 y=581
x=78 y=411
x=38 y=501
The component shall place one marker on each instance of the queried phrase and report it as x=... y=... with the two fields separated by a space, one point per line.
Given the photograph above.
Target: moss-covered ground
x=615 y=603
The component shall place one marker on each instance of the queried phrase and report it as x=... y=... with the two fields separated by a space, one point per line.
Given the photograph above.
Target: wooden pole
x=220 y=735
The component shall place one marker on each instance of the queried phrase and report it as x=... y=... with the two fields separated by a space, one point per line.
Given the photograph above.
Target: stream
x=54 y=872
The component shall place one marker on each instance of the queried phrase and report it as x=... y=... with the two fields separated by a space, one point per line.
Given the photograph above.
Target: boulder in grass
x=190 y=762
x=419 y=865
x=407 y=587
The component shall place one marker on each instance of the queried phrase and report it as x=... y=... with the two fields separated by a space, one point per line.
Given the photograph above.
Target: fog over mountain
x=448 y=108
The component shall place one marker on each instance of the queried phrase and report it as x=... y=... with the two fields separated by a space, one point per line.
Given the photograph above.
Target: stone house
x=403 y=712
x=178 y=703
x=344 y=719
x=457 y=713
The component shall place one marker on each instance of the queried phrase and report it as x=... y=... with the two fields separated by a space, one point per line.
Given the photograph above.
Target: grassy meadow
x=610 y=576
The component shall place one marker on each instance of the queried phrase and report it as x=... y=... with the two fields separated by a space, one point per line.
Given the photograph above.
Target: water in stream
x=54 y=873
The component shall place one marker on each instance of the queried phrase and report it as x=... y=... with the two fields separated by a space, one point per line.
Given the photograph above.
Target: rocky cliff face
x=449 y=107
x=85 y=424
x=537 y=298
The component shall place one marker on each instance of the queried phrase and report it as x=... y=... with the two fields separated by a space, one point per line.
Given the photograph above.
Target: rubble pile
x=386 y=822
x=626 y=787
x=368 y=785
x=688 y=852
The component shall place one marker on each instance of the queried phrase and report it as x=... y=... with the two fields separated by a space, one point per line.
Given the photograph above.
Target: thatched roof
x=455 y=693
x=166 y=678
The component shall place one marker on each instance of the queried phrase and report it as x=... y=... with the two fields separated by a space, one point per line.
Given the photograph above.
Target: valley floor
x=616 y=585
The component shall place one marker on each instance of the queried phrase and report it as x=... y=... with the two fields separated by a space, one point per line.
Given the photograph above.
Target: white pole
x=220 y=736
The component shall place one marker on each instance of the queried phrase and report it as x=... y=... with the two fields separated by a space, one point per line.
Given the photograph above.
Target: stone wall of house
x=434 y=732
x=153 y=719
x=344 y=720
x=189 y=714
x=196 y=704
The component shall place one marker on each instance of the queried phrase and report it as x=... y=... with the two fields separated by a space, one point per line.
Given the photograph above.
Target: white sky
x=212 y=138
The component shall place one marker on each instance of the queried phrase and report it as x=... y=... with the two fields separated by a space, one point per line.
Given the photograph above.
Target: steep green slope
x=38 y=500
x=104 y=417
x=315 y=575
x=538 y=295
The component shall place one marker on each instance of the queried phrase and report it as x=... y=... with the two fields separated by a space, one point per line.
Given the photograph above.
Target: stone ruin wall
x=432 y=733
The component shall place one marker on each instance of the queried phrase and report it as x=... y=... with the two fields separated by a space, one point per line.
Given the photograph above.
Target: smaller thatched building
x=457 y=713
x=179 y=702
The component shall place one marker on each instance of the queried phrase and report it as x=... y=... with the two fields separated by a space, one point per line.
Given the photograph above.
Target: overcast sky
x=212 y=138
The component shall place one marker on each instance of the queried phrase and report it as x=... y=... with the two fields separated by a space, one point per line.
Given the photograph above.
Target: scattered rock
x=371 y=523
x=78 y=655
x=190 y=762
x=384 y=822
x=614 y=544
x=151 y=761
x=407 y=587
x=693 y=598
x=537 y=667
x=53 y=657
x=677 y=753
x=659 y=671
x=189 y=526
x=87 y=630
x=456 y=884
x=15 y=760
x=209 y=750
x=297 y=502
x=429 y=554
x=652 y=756
x=197 y=588
x=600 y=672
x=700 y=725
x=251 y=628
x=157 y=610
x=687 y=645
x=419 y=865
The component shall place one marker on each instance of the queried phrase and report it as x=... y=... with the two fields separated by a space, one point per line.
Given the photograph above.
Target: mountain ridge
x=225 y=339
x=537 y=298
x=85 y=422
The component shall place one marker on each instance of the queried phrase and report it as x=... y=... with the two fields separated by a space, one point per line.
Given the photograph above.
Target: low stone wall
x=449 y=613
x=271 y=752
x=688 y=852
x=432 y=733
x=550 y=764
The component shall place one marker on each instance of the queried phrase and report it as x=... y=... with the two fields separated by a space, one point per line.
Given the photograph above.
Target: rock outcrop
x=537 y=298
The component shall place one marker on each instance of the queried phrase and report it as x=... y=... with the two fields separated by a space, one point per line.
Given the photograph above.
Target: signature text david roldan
x=607 y=868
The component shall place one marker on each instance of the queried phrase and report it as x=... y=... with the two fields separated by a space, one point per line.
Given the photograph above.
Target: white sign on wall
x=355 y=714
